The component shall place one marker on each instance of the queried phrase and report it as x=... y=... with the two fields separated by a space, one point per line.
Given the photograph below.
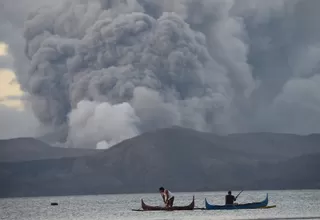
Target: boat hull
x=146 y=207
x=254 y=205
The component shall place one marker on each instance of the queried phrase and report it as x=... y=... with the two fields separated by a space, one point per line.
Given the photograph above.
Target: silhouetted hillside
x=25 y=149
x=182 y=159
x=301 y=172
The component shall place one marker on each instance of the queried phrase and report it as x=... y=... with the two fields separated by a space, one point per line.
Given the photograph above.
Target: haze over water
x=290 y=204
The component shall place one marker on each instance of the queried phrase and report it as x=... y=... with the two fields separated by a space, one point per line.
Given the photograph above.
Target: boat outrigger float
x=146 y=207
x=254 y=205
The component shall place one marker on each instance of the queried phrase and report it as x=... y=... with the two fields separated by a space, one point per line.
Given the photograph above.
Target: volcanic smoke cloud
x=102 y=71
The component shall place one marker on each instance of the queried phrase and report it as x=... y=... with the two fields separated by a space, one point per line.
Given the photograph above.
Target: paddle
x=239 y=194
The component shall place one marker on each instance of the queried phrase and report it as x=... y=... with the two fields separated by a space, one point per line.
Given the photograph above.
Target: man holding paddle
x=167 y=197
x=230 y=198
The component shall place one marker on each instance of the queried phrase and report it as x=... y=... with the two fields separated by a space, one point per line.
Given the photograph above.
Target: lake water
x=304 y=204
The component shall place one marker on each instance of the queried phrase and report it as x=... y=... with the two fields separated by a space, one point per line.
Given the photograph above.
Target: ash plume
x=108 y=70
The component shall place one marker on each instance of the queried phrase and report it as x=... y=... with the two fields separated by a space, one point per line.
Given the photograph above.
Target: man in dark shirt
x=230 y=199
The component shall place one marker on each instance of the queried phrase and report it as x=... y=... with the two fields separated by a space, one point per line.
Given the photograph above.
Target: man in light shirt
x=167 y=196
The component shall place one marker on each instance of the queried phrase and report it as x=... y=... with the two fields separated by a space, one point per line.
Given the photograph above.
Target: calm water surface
x=290 y=204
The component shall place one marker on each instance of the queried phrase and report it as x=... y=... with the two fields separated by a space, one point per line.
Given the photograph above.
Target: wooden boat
x=254 y=205
x=146 y=207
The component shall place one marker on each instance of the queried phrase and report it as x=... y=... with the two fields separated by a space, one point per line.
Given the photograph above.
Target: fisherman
x=230 y=199
x=167 y=197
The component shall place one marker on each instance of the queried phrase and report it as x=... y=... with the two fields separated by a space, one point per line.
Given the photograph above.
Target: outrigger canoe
x=254 y=205
x=146 y=207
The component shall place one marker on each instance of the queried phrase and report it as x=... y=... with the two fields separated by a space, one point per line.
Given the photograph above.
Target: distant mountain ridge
x=179 y=158
x=26 y=149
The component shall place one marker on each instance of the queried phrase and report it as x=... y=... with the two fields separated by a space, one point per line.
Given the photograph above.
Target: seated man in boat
x=167 y=196
x=230 y=199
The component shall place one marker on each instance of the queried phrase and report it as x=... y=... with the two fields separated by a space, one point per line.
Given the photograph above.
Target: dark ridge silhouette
x=26 y=149
x=182 y=159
